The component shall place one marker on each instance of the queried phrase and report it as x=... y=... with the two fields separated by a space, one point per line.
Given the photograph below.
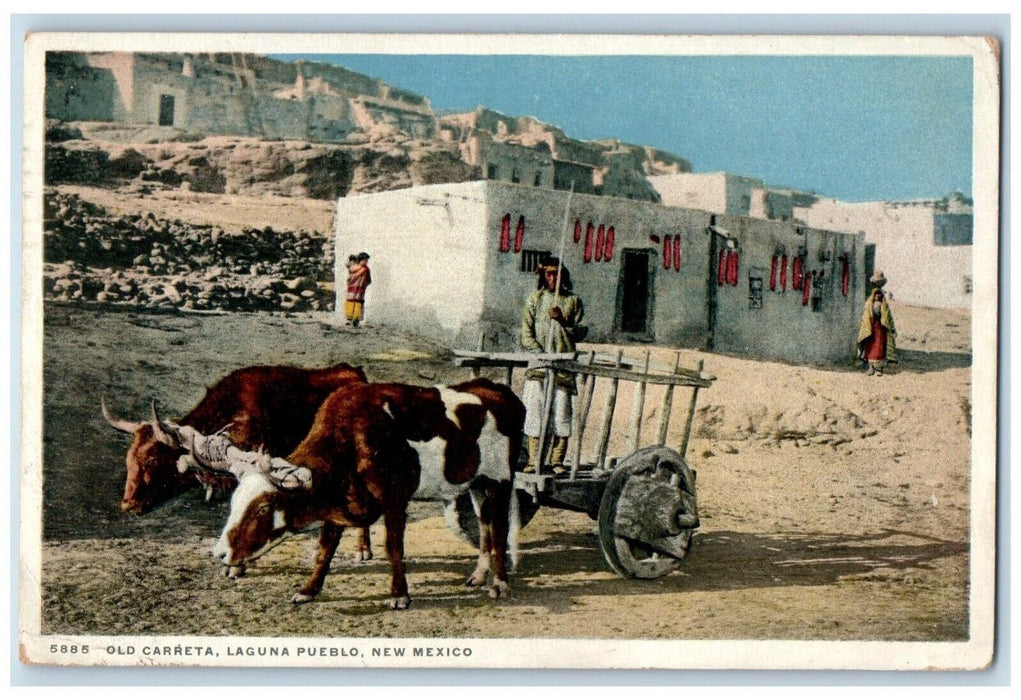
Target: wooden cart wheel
x=644 y=499
x=460 y=517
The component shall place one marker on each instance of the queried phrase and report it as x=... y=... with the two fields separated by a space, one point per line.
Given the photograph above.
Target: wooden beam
x=637 y=407
x=607 y=423
x=547 y=412
x=667 y=407
x=581 y=416
x=691 y=417
x=685 y=378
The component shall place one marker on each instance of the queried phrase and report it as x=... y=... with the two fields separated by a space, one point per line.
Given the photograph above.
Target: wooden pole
x=581 y=415
x=667 y=408
x=691 y=415
x=477 y=369
x=637 y=406
x=607 y=423
x=547 y=412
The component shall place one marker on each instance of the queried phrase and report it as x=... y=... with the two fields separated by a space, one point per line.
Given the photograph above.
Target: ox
x=271 y=406
x=370 y=449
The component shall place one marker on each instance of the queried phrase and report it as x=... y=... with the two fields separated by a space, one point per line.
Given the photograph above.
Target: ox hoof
x=361 y=556
x=401 y=603
x=300 y=598
x=234 y=571
x=477 y=578
x=499 y=589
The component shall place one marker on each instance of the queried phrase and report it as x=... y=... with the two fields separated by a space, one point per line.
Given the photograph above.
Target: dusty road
x=833 y=505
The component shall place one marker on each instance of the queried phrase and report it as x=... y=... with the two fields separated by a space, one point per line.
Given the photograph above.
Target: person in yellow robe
x=876 y=332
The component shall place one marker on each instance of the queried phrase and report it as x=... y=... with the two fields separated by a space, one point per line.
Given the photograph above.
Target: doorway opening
x=166 y=110
x=635 y=304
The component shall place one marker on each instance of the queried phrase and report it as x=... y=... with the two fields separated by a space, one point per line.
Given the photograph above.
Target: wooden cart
x=645 y=501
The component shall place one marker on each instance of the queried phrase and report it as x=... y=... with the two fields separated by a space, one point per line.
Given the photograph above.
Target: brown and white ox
x=268 y=406
x=370 y=449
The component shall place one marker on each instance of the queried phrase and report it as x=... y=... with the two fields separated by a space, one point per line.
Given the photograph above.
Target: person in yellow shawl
x=876 y=333
x=550 y=323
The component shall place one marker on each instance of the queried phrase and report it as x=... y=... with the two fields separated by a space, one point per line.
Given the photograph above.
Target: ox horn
x=125 y=426
x=287 y=476
x=160 y=429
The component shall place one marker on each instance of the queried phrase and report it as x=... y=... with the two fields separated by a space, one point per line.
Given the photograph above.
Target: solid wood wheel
x=648 y=515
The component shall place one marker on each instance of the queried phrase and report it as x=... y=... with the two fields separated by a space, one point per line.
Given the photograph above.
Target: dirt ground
x=833 y=505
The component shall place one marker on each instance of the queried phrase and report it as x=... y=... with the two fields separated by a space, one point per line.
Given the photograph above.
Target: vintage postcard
x=507 y=351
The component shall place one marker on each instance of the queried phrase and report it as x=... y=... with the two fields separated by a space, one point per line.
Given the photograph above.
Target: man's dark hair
x=565 y=275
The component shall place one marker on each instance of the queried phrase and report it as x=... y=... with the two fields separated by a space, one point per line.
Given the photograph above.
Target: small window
x=530 y=259
x=492 y=171
x=514 y=176
x=538 y=180
x=754 y=292
x=967 y=284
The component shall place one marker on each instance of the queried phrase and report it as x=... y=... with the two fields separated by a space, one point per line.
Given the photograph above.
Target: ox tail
x=514 y=527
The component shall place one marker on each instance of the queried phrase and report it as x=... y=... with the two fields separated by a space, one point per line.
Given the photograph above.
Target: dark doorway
x=717 y=245
x=166 y=110
x=634 y=292
x=870 y=266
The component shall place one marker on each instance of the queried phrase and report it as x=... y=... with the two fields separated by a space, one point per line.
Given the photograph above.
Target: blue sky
x=854 y=128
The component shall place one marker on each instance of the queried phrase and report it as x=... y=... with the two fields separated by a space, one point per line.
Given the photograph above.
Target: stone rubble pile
x=91 y=255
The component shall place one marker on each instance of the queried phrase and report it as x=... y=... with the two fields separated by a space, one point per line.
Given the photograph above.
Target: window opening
x=530 y=259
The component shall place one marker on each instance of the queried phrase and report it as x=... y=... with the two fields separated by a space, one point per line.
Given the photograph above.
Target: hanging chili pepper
x=721 y=272
x=599 y=242
x=589 y=230
x=505 y=234
x=577 y=230
x=519 y=235
x=798 y=273
x=732 y=266
x=845 y=276
x=783 y=273
x=667 y=252
x=772 y=272
x=608 y=243
x=677 y=252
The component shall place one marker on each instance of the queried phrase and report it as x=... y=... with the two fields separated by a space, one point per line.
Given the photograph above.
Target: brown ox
x=370 y=449
x=269 y=406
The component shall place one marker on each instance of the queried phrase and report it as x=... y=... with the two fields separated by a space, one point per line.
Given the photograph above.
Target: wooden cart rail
x=598 y=365
x=613 y=368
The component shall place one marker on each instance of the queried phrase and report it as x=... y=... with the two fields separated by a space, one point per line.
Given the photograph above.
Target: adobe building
x=454 y=261
x=523 y=150
x=923 y=246
x=228 y=93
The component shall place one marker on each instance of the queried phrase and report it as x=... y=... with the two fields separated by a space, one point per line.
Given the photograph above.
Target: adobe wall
x=783 y=325
x=76 y=90
x=225 y=95
x=707 y=191
x=442 y=267
x=530 y=166
x=426 y=246
x=919 y=272
x=678 y=296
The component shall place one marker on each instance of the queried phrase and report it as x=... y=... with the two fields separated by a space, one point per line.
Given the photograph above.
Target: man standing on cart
x=550 y=322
